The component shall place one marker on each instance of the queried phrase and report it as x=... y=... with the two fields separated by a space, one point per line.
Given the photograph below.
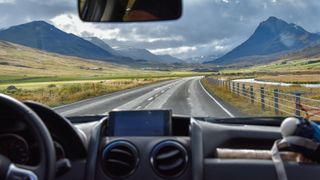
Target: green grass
x=286 y=102
x=305 y=65
x=5 y=80
x=292 y=78
x=55 y=94
x=55 y=79
x=235 y=101
x=291 y=69
x=19 y=64
x=297 y=71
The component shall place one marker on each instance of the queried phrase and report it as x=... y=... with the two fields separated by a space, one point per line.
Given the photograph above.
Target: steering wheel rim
x=46 y=167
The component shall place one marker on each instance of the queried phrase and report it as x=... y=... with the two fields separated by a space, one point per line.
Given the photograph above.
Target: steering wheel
x=46 y=167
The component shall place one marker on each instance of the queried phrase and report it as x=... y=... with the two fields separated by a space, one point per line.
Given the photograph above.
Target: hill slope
x=272 y=37
x=20 y=62
x=44 y=36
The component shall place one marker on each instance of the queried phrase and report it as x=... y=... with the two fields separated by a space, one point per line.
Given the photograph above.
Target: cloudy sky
x=207 y=27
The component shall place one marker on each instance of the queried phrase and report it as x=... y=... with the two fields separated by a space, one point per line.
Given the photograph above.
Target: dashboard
x=19 y=144
x=15 y=147
x=150 y=144
x=191 y=151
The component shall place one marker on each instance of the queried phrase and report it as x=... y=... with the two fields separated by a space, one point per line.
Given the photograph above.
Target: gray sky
x=207 y=27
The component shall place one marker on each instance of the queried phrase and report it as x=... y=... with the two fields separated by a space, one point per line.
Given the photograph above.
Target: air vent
x=169 y=159
x=120 y=159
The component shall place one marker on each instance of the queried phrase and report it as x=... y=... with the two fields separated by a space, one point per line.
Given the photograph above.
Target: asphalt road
x=184 y=96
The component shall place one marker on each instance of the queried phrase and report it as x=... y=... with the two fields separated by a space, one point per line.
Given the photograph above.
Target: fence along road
x=271 y=98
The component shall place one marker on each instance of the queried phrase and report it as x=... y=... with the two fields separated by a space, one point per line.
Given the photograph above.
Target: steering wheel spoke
x=25 y=172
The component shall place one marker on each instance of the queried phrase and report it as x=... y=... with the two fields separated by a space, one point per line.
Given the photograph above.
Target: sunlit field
x=52 y=79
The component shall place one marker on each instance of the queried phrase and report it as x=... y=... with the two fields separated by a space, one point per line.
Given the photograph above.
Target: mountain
x=100 y=43
x=136 y=53
x=169 y=59
x=201 y=59
x=29 y=64
x=133 y=53
x=144 y=54
x=44 y=36
x=271 y=38
x=311 y=52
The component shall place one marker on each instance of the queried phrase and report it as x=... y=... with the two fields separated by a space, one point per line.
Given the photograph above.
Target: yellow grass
x=234 y=100
x=286 y=102
x=20 y=63
x=55 y=94
x=292 y=78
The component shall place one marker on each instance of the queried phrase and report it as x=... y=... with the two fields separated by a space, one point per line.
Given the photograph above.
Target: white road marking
x=217 y=102
x=139 y=107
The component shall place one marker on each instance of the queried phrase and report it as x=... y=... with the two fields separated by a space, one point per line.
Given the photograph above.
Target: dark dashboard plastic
x=144 y=145
x=210 y=167
x=200 y=136
x=62 y=130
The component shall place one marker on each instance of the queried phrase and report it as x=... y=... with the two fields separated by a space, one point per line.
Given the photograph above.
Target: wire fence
x=272 y=99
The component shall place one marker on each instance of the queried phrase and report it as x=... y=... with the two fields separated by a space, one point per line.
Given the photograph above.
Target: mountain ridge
x=272 y=36
x=134 y=53
x=44 y=36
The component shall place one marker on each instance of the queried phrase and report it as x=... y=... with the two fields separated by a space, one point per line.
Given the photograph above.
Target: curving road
x=184 y=96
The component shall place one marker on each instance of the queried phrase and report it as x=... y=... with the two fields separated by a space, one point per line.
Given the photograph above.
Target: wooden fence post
x=298 y=102
x=238 y=89
x=276 y=101
x=244 y=90
x=251 y=94
x=263 y=106
x=233 y=87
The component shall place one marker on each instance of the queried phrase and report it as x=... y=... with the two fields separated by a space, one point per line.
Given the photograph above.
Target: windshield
x=222 y=58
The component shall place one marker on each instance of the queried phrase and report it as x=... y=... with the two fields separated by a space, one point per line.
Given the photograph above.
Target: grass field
x=234 y=100
x=19 y=64
x=282 y=66
x=293 y=78
x=54 y=79
x=55 y=94
x=295 y=71
x=286 y=98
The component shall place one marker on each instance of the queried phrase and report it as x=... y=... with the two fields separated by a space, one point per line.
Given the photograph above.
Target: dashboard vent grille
x=169 y=159
x=120 y=159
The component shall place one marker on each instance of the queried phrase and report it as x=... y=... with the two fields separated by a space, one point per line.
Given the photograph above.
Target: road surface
x=184 y=96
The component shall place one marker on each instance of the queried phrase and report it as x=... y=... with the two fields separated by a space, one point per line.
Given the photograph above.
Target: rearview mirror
x=129 y=10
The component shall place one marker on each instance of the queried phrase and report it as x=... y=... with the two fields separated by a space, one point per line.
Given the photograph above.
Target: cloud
x=71 y=23
x=7 y=1
x=15 y=12
x=207 y=27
